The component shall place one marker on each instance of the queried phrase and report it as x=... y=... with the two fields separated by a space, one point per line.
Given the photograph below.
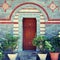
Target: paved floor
x=27 y=55
x=24 y=55
x=31 y=55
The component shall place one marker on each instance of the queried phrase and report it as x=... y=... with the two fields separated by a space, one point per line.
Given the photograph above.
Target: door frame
x=18 y=16
x=29 y=15
x=20 y=24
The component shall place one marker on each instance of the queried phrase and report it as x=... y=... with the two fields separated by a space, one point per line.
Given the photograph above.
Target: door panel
x=29 y=32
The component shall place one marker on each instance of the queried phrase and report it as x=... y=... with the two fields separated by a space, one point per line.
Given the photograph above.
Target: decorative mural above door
x=7 y=7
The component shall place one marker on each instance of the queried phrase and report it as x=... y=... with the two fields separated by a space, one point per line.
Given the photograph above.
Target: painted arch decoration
x=28 y=5
x=29 y=10
x=51 y=4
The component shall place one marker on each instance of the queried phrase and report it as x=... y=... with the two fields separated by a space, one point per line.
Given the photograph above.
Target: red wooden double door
x=29 y=32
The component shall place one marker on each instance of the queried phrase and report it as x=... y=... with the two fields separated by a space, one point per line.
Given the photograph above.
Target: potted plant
x=56 y=45
x=43 y=45
x=10 y=43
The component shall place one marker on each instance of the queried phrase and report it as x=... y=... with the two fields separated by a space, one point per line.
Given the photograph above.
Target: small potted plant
x=56 y=45
x=9 y=45
x=43 y=45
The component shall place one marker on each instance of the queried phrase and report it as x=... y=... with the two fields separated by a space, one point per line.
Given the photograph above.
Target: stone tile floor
x=31 y=55
x=27 y=55
x=24 y=55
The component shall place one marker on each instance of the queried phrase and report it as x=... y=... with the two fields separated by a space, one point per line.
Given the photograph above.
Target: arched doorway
x=28 y=11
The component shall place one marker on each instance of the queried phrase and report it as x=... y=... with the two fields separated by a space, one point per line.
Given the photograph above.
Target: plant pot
x=6 y=52
x=54 y=56
x=12 y=56
x=42 y=56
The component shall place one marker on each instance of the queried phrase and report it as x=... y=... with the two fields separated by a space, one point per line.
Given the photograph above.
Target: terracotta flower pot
x=54 y=56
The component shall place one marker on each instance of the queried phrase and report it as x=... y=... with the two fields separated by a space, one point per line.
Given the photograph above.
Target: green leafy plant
x=1 y=54
x=56 y=43
x=10 y=42
x=1 y=51
x=42 y=43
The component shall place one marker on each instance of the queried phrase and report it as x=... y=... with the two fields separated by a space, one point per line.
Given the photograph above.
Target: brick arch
x=26 y=4
x=18 y=32
x=16 y=26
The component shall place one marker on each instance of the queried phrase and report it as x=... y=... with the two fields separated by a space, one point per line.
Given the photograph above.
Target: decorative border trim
x=40 y=23
x=54 y=19
x=8 y=22
x=50 y=23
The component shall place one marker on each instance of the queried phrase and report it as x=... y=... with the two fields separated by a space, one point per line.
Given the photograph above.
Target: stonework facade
x=46 y=12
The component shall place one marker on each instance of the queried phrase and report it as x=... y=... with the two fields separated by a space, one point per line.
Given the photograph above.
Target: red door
x=29 y=32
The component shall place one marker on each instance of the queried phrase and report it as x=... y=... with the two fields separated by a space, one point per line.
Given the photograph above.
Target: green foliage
x=42 y=43
x=10 y=42
x=56 y=43
x=1 y=54
x=1 y=51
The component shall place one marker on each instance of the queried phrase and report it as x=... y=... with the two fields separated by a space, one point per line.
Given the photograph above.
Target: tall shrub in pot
x=56 y=45
x=10 y=43
x=43 y=44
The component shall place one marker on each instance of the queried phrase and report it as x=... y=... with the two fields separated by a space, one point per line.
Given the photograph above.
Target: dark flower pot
x=6 y=52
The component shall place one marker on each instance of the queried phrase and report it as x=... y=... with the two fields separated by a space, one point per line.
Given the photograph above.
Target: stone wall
x=5 y=28
x=52 y=30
